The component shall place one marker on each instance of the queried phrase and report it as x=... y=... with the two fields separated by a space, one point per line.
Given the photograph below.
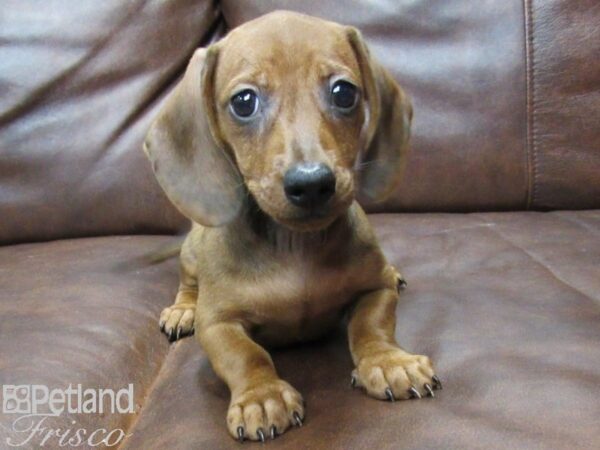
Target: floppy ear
x=190 y=164
x=387 y=127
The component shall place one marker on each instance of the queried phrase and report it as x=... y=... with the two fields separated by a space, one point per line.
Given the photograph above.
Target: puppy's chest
x=295 y=289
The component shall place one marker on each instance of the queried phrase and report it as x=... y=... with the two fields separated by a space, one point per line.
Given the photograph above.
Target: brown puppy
x=263 y=144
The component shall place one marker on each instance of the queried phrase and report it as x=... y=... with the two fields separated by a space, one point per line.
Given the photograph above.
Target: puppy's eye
x=344 y=95
x=244 y=104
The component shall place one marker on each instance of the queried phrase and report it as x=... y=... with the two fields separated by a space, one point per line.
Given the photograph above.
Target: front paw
x=396 y=375
x=177 y=320
x=264 y=411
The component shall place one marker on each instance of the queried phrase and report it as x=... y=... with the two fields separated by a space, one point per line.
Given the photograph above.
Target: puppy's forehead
x=282 y=42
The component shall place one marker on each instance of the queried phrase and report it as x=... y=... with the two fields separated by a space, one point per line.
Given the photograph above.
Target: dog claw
x=178 y=333
x=261 y=434
x=389 y=394
x=297 y=419
x=427 y=387
x=437 y=383
x=273 y=432
x=353 y=381
x=414 y=393
x=171 y=335
x=402 y=284
x=240 y=432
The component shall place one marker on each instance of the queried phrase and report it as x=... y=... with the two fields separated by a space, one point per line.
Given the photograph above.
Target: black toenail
x=414 y=393
x=389 y=394
x=427 y=387
x=297 y=419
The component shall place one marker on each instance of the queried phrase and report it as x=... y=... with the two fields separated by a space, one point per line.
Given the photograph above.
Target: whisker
x=364 y=165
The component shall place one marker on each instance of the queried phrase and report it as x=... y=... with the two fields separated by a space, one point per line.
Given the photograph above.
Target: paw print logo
x=16 y=399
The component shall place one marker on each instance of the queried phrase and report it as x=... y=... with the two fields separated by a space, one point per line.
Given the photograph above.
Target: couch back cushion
x=506 y=98
x=80 y=82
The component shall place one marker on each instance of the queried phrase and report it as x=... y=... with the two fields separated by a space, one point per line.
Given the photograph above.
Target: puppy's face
x=284 y=105
x=289 y=102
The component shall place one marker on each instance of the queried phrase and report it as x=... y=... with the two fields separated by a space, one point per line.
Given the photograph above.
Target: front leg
x=262 y=404
x=382 y=367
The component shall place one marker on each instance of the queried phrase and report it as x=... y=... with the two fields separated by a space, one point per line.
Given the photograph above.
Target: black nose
x=309 y=185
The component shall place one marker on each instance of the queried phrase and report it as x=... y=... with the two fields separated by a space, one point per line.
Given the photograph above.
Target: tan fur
x=269 y=274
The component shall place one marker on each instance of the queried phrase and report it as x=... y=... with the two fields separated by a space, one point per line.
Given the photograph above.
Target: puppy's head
x=291 y=107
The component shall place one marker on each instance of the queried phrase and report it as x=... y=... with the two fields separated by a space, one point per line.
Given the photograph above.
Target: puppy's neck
x=255 y=225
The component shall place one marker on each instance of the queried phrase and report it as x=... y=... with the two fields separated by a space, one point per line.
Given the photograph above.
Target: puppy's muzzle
x=309 y=185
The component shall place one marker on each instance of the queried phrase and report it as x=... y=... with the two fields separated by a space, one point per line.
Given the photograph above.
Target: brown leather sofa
x=494 y=224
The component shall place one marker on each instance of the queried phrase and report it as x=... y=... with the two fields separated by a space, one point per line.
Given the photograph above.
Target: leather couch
x=494 y=224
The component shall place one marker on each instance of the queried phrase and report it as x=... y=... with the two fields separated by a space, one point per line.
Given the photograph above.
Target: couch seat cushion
x=69 y=314
x=506 y=304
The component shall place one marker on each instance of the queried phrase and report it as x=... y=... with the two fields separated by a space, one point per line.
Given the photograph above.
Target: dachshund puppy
x=264 y=144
